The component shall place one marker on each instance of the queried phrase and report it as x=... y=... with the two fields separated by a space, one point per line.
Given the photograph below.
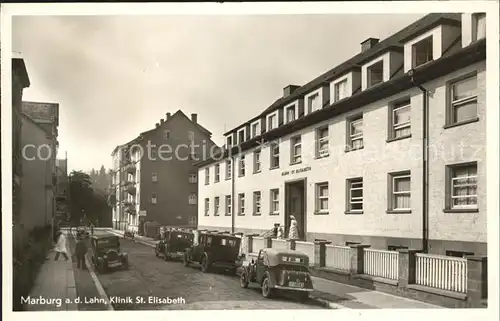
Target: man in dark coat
x=80 y=251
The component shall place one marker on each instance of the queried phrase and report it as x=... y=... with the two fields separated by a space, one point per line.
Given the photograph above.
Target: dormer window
x=229 y=141
x=340 y=90
x=272 y=121
x=255 y=129
x=478 y=26
x=422 y=52
x=375 y=74
x=241 y=136
x=313 y=103
x=290 y=113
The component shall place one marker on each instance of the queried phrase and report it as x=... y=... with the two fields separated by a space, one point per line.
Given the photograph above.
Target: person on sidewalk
x=92 y=229
x=293 y=233
x=60 y=247
x=80 y=251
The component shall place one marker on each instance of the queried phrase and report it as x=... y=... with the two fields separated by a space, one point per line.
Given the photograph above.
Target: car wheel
x=205 y=265
x=267 y=291
x=185 y=259
x=244 y=280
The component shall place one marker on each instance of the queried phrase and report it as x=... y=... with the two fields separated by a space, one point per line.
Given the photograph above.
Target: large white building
x=344 y=153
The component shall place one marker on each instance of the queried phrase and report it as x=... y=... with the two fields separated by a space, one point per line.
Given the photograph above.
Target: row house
x=154 y=179
x=40 y=121
x=387 y=148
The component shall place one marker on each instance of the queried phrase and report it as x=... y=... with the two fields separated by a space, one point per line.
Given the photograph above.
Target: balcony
x=131 y=189
x=130 y=168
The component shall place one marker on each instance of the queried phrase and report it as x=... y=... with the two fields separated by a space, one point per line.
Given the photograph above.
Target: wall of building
x=374 y=162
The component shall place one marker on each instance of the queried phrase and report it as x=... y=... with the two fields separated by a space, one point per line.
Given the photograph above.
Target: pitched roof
x=391 y=43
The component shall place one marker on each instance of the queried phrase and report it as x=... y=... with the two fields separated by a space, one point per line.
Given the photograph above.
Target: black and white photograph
x=283 y=160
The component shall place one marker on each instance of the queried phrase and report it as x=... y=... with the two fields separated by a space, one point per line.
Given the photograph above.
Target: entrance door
x=295 y=204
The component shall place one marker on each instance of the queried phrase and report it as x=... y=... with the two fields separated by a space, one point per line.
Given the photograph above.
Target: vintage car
x=106 y=253
x=214 y=250
x=279 y=271
x=174 y=243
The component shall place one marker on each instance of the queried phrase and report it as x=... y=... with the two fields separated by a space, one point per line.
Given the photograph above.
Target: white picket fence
x=280 y=244
x=306 y=248
x=338 y=257
x=380 y=263
x=441 y=272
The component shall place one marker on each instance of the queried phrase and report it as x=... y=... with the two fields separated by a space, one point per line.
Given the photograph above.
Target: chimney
x=168 y=116
x=157 y=125
x=162 y=120
x=368 y=44
x=194 y=118
x=288 y=90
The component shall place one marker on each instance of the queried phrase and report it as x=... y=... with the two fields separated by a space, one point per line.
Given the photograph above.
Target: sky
x=116 y=76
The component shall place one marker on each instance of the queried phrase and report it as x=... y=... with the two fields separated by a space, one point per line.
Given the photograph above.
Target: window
x=395 y=248
x=322 y=197
x=207 y=176
x=154 y=154
x=349 y=243
x=340 y=90
x=191 y=136
x=271 y=122
x=290 y=113
x=241 y=204
x=228 y=205
x=421 y=52
x=322 y=142
x=217 y=173
x=207 y=206
x=192 y=199
x=192 y=220
x=355 y=137
x=458 y=253
x=400 y=120
x=216 y=206
x=154 y=177
x=296 y=148
x=256 y=203
x=229 y=141
x=228 y=169
x=166 y=134
x=256 y=162
x=193 y=178
x=375 y=74
x=275 y=155
x=242 y=166
x=462 y=186
x=463 y=100
x=479 y=26
x=241 y=136
x=355 y=195
x=313 y=103
x=400 y=191
x=255 y=130
x=275 y=201
x=154 y=199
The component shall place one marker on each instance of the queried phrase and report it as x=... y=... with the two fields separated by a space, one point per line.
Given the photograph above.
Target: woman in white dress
x=293 y=233
x=60 y=247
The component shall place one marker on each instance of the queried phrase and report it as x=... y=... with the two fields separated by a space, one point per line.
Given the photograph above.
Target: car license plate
x=114 y=264
x=296 y=284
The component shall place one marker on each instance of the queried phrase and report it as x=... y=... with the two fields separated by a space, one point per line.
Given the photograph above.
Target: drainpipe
x=425 y=161
x=233 y=174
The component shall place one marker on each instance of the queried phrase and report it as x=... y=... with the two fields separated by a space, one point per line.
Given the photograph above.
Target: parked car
x=279 y=270
x=106 y=253
x=174 y=243
x=214 y=250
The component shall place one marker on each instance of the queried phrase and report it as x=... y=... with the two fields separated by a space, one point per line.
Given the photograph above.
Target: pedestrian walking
x=80 y=251
x=60 y=247
x=92 y=229
x=293 y=233
x=281 y=233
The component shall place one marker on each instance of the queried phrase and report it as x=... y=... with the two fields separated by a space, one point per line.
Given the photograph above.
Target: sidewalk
x=54 y=287
x=338 y=295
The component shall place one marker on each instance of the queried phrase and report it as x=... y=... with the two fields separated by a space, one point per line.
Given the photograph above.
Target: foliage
x=28 y=256
x=86 y=203
x=100 y=179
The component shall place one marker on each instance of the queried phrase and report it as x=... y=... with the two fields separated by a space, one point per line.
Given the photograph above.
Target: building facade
x=62 y=213
x=386 y=149
x=39 y=141
x=158 y=184
x=20 y=80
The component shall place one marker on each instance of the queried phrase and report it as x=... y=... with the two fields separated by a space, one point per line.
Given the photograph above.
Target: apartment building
x=39 y=183
x=62 y=213
x=386 y=149
x=158 y=184
x=20 y=80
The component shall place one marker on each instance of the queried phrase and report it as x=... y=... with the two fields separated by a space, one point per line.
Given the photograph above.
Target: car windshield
x=229 y=242
x=106 y=243
x=177 y=235
x=292 y=259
